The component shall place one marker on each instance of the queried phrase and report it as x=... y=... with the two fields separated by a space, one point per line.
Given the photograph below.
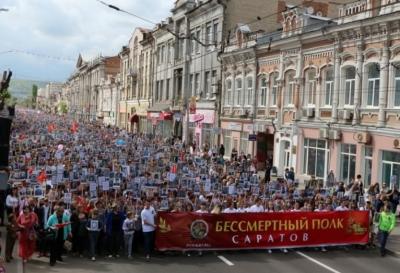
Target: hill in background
x=22 y=89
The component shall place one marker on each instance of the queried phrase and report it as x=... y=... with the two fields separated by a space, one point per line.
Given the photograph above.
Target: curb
x=392 y=253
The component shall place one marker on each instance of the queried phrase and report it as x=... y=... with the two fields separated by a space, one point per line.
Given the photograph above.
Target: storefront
x=236 y=135
x=162 y=124
x=348 y=153
x=201 y=127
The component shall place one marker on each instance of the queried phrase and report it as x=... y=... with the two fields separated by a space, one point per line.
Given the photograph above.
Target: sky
x=46 y=36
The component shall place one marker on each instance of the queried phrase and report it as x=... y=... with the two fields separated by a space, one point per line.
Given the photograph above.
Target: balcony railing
x=358 y=10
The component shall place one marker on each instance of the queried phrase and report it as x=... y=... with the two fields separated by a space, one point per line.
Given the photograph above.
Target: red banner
x=189 y=231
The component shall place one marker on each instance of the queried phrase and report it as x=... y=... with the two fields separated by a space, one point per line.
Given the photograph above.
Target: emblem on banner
x=355 y=228
x=199 y=229
x=164 y=227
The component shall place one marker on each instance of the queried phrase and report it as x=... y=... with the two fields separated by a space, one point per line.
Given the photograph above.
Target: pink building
x=322 y=94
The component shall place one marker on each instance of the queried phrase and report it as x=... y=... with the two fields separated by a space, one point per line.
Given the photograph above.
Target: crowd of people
x=94 y=190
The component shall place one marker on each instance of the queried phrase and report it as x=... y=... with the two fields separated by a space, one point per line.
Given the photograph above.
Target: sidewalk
x=393 y=244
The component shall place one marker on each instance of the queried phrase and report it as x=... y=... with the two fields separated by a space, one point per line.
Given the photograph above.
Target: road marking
x=225 y=260
x=317 y=262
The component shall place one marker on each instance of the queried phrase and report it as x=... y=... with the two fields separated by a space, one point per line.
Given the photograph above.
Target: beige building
x=135 y=89
x=321 y=94
x=82 y=87
x=48 y=97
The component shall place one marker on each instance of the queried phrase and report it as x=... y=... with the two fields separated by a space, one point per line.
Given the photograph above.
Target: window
x=348 y=162
x=316 y=153
x=397 y=87
x=390 y=168
x=198 y=37
x=238 y=89
x=262 y=99
x=197 y=84
x=367 y=166
x=328 y=86
x=157 y=90
x=215 y=32
x=207 y=83
x=209 y=36
x=274 y=89
x=167 y=89
x=192 y=42
x=162 y=54
x=290 y=87
x=228 y=96
x=311 y=84
x=350 y=79
x=244 y=141
x=191 y=91
x=249 y=99
x=227 y=141
x=214 y=82
x=373 y=85
x=161 y=89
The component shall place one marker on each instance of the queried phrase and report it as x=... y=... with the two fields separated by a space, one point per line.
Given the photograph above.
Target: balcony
x=389 y=6
x=355 y=11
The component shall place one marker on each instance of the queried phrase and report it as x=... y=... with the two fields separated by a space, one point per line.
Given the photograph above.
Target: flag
x=74 y=127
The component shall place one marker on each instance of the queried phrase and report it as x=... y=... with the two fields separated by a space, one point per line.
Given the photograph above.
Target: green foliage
x=62 y=107
x=34 y=91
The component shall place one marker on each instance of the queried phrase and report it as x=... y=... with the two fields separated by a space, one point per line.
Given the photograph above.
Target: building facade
x=187 y=74
x=327 y=93
x=82 y=87
x=136 y=71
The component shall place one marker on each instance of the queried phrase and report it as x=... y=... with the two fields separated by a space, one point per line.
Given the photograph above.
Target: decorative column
x=358 y=84
x=383 y=85
x=336 y=88
x=317 y=95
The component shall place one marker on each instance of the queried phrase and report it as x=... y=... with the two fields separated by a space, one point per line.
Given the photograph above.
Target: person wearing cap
x=387 y=222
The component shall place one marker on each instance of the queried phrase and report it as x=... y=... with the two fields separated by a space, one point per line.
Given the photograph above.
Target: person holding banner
x=387 y=222
x=148 y=225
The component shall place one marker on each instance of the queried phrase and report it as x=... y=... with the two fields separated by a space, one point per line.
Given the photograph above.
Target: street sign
x=253 y=137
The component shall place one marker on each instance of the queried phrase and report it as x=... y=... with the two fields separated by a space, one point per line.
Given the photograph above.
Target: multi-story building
x=136 y=71
x=321 y=94
x=82 y=87
x=186 y=91
x=48 y=97
x=108 y=99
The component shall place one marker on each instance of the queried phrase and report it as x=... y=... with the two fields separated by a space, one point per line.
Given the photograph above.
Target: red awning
x=166 y=116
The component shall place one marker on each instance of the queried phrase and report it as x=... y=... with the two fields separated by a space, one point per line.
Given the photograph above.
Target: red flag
x=74 y=127
x=51 y=127
x=42 y=177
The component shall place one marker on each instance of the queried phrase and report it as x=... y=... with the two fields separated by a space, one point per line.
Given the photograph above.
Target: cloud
x=65 y=28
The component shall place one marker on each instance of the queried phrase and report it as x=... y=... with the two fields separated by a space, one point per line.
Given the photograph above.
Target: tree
x=62 y=108
x=34 y=95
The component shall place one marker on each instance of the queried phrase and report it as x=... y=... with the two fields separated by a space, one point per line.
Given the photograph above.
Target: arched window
x=274 y=89
x=228 y=95
x=328 y=85
x=262 y=94
x=249 y=97
x=373 y=85
x=311 y=85
x=290 y=88
x=350 y=79
x=238 y=92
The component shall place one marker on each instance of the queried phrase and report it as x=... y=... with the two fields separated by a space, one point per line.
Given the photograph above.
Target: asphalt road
x=310 y=261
